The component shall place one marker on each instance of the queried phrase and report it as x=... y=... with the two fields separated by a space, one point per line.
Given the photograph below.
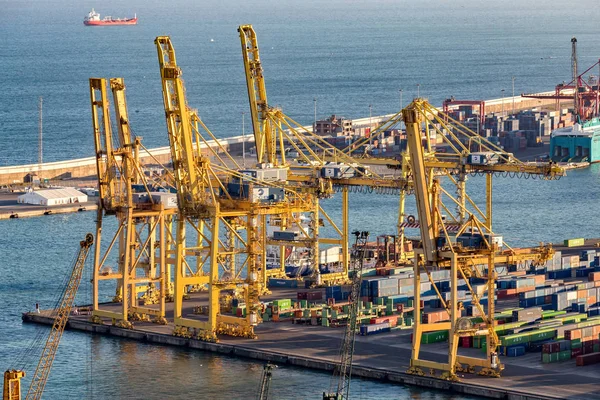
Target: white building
x=52 y=197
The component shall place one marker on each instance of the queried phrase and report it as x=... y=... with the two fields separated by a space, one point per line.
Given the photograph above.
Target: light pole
x=370 y=124
x=513 y=102
x=315 y=123
x=400 y=90
x=418 y=90
x=502 y=102
x=243 y=140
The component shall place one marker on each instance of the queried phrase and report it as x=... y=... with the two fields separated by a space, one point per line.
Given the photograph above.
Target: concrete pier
x=383 y=357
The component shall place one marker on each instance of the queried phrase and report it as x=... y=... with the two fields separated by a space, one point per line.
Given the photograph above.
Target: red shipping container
x=548 y=348
x=507 y=294
x=594 y=276
x=587 y=359
x=435 y=316
x=302 y=296
x=317 y=295
x=588 y=347
x=392 y=319
x=576 y=352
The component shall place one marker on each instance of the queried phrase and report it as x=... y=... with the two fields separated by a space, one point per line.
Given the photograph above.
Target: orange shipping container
x=573 y=334
x=539 y=279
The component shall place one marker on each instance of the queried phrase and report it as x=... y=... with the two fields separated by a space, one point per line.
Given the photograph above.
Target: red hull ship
x=93 y=19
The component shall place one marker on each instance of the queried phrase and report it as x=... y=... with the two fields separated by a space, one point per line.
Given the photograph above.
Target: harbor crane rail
x=12 y=378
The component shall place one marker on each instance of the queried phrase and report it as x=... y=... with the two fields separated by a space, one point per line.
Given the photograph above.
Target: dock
x=9 y=208
x=380 y=357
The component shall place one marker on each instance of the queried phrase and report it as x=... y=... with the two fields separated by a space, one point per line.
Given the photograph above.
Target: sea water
x=341 y=56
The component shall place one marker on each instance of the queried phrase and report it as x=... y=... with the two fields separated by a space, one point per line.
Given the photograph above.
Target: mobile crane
x=12 y=378
x=343 y=373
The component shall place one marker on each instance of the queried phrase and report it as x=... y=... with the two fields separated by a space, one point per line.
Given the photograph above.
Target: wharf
x=9 y=208
x=382 y=357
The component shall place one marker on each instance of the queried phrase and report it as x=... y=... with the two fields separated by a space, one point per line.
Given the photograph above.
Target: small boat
x=93 y=19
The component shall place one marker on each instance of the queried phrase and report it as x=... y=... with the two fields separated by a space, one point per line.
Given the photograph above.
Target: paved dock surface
x=383 y=357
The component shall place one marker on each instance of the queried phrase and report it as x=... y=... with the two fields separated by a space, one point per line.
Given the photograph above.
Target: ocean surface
x=345 y=54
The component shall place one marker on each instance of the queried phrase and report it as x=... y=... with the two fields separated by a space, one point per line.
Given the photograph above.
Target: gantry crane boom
x=264 y=137
x=190 y=186
x=106 y=163
x=343 y=374
x=42 y=371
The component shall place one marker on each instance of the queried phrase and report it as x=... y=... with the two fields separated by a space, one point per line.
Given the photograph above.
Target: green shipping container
x=434 y=337
x=283 y=304
x=574 y=242
x=542 y=335
x=510 y=340
x=551 y=314
x=550 y=358
x=564 y=355
x=408 y=321
x=478 y=341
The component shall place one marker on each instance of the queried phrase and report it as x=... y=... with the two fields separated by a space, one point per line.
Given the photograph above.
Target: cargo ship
x=577 y=143
x=93 y=19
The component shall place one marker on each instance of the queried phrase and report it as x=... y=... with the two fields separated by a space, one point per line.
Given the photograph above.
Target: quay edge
x=288 y=359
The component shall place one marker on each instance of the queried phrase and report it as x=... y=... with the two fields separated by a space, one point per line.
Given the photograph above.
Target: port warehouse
x=85 y=167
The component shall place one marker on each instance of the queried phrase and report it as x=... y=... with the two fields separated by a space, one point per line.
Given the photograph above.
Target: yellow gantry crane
x=12 y=378
x=472 y=249
x=222 y=209
x=142 y=244
x=327 y=168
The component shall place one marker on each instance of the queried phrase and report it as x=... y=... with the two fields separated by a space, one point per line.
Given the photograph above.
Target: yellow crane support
x=143 y=238
x=441 y=250
x=221 y=230
x=12 y=384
